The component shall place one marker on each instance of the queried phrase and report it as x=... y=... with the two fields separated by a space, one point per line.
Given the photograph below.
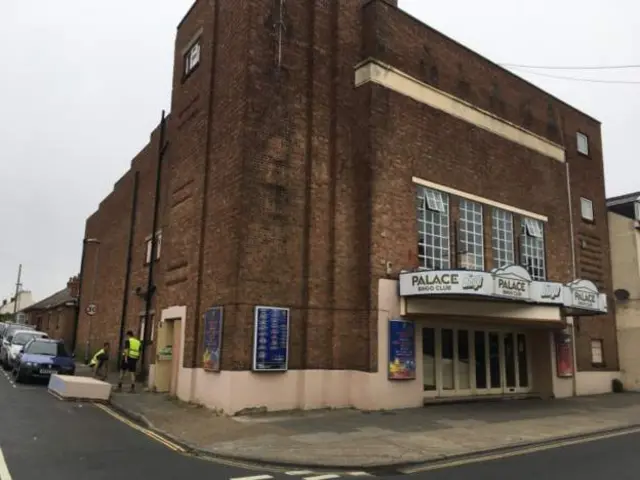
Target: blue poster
x=271 y=339
x=402 y=350
x=212 y=339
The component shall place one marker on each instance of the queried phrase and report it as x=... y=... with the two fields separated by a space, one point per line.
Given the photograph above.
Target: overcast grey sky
x=84 y=82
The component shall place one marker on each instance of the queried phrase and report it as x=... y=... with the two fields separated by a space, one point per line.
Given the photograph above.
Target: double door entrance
x=466 y=362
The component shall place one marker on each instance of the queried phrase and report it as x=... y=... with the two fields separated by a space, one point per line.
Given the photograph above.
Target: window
x=192 y=58
x=582 y=143
x=637 y=209
x=433 y=229
x=586 y=209
x=596 y=352
x=471 y=236
x=532 y=248
x=502 y=238
x=150 y=246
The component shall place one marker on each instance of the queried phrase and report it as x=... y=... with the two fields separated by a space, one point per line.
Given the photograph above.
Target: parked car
x=20 y=339
x=42 y=357
x=6 y=341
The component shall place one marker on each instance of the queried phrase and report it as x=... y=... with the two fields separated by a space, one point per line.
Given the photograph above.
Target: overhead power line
x=591 y=67
x=586 y=80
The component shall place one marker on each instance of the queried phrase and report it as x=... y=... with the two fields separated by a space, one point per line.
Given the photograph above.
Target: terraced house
x=355 y=210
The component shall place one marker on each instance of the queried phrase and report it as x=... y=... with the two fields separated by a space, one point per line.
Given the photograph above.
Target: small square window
x=533 y=228
x=597 y=357
x=434 y=201
x=586 y=209
x=582 y=143
x=192 y=58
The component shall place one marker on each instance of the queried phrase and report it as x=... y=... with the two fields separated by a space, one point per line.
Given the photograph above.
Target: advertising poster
x=271 y=339
x=212 y=339
x=402 y=351
x=564 y=356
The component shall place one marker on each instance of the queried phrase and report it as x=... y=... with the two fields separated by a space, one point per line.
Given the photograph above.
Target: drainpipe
x=573 y=273
x=127 y=277
x=76 y=315
x=151 y=287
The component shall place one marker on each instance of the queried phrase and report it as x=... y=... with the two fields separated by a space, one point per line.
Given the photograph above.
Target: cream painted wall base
x=233 y=392
x=594 y=383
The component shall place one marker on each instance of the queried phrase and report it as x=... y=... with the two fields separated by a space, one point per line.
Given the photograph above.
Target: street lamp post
x=96 y=242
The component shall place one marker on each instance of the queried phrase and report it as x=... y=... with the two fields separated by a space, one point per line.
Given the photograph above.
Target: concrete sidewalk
x=353 y=439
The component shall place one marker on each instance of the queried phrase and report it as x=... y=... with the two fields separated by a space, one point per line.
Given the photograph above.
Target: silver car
x=20 y=339
x=7 y=339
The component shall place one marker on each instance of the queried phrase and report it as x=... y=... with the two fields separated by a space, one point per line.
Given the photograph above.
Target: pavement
x=379 y=441
x=44 y=437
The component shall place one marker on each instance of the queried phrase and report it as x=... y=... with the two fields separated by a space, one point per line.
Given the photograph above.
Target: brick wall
x=285 y=185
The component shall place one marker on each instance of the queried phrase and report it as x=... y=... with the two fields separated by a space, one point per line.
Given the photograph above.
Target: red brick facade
x=283 y=184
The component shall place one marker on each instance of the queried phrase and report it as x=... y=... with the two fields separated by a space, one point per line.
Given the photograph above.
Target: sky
x=84 y=82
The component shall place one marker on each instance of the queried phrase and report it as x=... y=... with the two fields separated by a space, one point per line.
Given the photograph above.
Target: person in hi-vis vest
x=130 y=356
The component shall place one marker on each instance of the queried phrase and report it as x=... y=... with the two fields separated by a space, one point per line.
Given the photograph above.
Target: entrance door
x=464 y=362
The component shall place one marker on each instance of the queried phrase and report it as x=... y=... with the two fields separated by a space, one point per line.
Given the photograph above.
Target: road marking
x=299 y=472
x=167 y=443
x=4 y=469
x=323 y=477
x=255 y=477
x=523 y=451
x=359 y=474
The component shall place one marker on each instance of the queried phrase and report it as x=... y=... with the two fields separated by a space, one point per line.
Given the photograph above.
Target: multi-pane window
x=471 y=234
x=532 y=248
x=433 y=229
x=192 y=58
x=502 y=238
x=582 y=143
x=596 y=352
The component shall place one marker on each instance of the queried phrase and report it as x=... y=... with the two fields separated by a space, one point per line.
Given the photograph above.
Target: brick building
x=55 y=314
x=337 y=160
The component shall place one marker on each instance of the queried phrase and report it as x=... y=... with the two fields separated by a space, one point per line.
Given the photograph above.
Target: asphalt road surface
x=616 y=458
x=43 y=437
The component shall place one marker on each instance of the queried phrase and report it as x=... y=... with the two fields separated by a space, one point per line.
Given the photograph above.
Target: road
x=43 y=437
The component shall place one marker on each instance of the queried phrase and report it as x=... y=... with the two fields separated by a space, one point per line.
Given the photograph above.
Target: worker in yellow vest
x=130 y=356
x=99 y=362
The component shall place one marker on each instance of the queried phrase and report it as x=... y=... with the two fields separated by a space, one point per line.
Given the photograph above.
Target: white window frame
x=147 y=256
x=582 y=143
x=502 y=237
x=586 y=209
x=533 y=228
x=434 y=235
x=597 y=352
x=192 y=57
x=470 y=227
x=532 y=246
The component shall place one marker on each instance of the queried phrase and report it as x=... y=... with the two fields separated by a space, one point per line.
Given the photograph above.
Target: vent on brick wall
x=428 y=68
x=590 y=259
x=463 y=86
x=495 y=99
x=525 y=114
x=552 y=122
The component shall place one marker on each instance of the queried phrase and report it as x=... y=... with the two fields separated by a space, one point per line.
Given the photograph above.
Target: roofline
x=622 y=199
x=184 y=18
x=490 y=62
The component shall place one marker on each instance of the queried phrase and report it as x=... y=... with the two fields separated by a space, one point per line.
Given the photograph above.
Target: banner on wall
x=564 y=355
x=402 y=351
x=271 y=339
x=212 y=339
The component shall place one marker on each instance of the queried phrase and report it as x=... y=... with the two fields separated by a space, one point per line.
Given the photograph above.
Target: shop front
x=484 y=334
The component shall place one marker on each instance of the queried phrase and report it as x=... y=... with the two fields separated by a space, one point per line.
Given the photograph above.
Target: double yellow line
x=167 y=443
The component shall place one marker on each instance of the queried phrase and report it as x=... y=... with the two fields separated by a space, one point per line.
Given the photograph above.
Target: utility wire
x=591 y=67
x=587 y=80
